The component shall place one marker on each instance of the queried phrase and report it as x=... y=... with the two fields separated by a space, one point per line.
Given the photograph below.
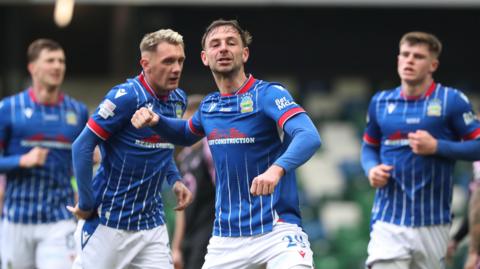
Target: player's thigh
x=105 y=247
x=228 y=252
x=431 y=247
x=287 y=246
x=389 y=242
x=156 y=253
x=391 y=264
x=56 y=245
x=17 y=246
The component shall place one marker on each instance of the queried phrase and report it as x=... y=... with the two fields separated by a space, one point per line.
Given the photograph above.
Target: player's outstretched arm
x=174 y=130
x=184 y=196
x=82 y=151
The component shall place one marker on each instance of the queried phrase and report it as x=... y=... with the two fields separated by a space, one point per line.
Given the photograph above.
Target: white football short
x=42 y=246
x=105 y=247
x=408 y=247
x=285 y=247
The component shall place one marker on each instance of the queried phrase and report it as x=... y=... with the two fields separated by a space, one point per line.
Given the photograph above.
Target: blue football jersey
x=40 y=194
x=419 y=192
x=135 y=162
x=245 y=136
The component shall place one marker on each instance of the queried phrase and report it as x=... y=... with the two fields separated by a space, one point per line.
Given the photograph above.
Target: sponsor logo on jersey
x=283 y=103
x=120 y=93
x=40 y=140
x=71 y=118
x=106 y=109
x=230 y=136
x=391 y=108
x=178 y=110
x=413 y=120
x=434 y=108
x=51 y=117
x=397 y=139
x=246 y=104
x=154 y=142
x=469 y=117
x=28 y=112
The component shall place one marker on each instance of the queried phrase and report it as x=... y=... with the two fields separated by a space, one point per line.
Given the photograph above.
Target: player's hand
x=78 y=213
x=177 y=258
x=422 y=142
x=184 y=195
x=451 y=249
x=35 y=157
x=144 y=117
x=378 y=176
x=265 y=183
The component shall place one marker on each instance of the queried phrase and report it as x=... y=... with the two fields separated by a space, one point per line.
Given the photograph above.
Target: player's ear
x=434 y=65
x=31 y=68
x=144 y=63
x=245 y=54
x=203 y=55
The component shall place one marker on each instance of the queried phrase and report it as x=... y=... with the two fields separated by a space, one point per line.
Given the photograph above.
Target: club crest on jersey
x=246 y=104
x=28 y=112
x=434 y=108
x=178 y=110
x=71 y=118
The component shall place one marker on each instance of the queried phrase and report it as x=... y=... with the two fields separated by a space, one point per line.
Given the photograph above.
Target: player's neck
x=159 y=92
x=230 y=84
x=416 y=89
x=44 y=94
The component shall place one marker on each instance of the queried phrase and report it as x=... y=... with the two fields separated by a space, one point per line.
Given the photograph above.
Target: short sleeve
x=372 y=134
x=463 y=119
x=114 y=112
x=279 y=105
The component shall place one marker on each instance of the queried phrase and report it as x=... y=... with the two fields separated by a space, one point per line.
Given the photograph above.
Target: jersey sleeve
x=113 y=113
x=195 y=123
x=4 y=123
x=173 y=175
x=279 y=105
x=372 y=134
x=463 y=118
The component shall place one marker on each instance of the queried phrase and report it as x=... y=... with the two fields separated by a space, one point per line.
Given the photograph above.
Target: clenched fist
x=144 y=117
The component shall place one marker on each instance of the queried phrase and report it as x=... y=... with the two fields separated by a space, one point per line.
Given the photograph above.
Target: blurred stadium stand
x=332 y=54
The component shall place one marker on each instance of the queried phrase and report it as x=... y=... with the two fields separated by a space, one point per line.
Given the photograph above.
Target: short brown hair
x=244 y=34
x=40 y=44
x=433 y=43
